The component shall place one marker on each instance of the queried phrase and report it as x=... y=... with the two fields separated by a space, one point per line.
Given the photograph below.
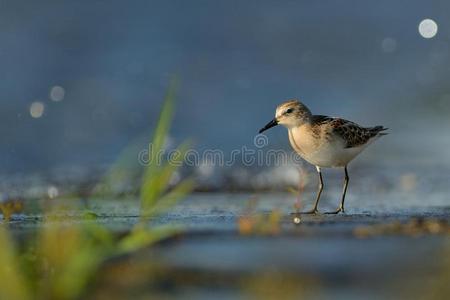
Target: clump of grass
x=61 y=259
x=10 y=207
x=56 y=264
x=12 y=283
x=154 y=194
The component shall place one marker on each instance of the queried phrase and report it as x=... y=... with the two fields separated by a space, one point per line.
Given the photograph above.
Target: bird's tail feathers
x=378 y=130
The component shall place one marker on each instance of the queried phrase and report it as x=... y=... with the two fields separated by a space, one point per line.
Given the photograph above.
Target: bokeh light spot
x=57 y=93
x=428 y=28
x=388 y=45
x=37 y=109
x=52 y=192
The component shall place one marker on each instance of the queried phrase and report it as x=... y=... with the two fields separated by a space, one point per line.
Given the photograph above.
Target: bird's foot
x=340 y=209
x=313 y=211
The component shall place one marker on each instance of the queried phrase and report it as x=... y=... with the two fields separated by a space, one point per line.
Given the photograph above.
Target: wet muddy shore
x=227 y=250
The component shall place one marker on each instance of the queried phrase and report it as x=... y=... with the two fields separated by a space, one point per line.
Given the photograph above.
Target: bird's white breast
x=319 y=151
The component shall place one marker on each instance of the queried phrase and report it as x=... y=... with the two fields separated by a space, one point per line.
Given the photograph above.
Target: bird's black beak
x=271 y=124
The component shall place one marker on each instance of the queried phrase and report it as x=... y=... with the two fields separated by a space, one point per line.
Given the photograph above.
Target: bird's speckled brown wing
x=353 y=134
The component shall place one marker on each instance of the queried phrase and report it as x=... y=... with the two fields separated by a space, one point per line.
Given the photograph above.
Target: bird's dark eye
x=288 y=111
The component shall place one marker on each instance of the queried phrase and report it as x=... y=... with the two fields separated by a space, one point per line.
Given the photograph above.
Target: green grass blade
x=12 y=283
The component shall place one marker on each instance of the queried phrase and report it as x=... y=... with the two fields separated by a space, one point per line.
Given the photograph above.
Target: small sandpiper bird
x=323 y=141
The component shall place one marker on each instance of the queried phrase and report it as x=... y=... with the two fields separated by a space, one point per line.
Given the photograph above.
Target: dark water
x=236 y=61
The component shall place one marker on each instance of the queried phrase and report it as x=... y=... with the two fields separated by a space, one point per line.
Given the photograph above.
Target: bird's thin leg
x=344 y=191
x=315 y=210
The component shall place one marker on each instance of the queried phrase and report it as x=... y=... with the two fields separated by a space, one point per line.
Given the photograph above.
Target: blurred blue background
x=94 y=73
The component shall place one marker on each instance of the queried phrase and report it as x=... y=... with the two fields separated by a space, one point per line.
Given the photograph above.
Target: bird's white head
x=290 y=114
